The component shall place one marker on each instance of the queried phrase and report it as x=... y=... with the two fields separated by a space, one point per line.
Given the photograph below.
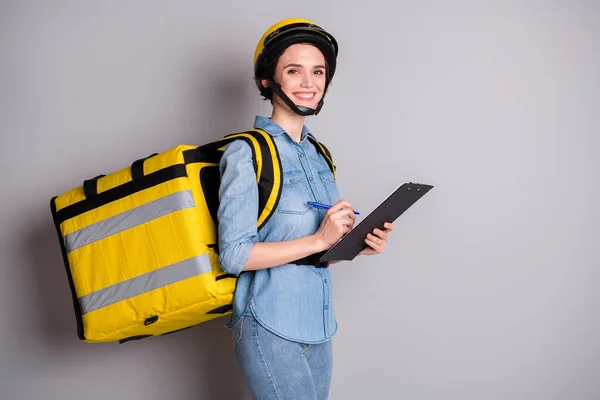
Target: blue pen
x=324 y=206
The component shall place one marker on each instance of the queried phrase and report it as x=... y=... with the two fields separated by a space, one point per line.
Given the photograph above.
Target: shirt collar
x=273 y=129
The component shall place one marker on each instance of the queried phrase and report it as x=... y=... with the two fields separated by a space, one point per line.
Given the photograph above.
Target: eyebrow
x=300 y=66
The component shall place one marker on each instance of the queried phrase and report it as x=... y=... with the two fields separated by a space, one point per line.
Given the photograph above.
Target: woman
x=283 y=317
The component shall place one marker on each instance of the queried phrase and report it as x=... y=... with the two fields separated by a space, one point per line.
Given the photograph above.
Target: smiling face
x=300 y=71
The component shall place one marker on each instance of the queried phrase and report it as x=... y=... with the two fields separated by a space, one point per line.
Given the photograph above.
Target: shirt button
x=325 y=280
x=301 y=155
x=327 y=307
x=310 y=178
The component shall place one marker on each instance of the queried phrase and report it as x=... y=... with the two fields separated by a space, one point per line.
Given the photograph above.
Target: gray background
x=488 y=289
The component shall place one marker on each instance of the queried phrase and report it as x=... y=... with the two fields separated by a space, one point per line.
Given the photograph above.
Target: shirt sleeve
x=238 y=207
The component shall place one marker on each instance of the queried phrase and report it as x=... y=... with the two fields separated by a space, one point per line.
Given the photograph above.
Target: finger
x=376 y=248
x=344 y=213
x=338 y=215
x=380 y=233
x=389 y=226
x=368 y=250
x=375 y=239
x=382 y=244
x=341 y=204
x=345 y=229
x=345 y=222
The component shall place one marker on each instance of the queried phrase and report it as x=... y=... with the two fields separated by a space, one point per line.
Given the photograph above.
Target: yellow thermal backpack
x=140 y=244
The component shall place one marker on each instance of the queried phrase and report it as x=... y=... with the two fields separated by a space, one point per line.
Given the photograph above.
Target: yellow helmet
x=284 y=34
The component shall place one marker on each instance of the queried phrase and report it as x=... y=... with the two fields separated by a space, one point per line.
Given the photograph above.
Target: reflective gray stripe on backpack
x=128 y=219
x=144 y=283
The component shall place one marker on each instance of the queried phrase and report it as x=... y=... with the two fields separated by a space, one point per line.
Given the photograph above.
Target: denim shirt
x=292 y=301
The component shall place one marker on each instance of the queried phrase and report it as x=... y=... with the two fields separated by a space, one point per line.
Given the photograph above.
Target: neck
x=291 y=122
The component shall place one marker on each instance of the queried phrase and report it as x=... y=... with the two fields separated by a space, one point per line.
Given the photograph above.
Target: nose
x=307 y=81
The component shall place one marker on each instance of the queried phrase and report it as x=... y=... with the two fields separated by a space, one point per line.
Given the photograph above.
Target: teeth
x=305 y=95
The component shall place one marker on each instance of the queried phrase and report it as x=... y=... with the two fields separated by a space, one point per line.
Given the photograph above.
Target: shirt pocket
x=294 y=193
x=330 y=185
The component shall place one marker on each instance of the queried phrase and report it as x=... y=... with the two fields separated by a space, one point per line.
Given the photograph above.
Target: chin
x=311 y=104
x=308 y=105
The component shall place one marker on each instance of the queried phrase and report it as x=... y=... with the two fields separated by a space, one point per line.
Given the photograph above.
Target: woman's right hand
x=338 y=221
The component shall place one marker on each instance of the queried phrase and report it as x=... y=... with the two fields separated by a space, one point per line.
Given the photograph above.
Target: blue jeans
x=277 y=368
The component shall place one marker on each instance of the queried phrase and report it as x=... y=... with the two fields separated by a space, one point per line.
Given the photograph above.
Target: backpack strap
x=269 y=174
x=266 y=164
x=324 y=152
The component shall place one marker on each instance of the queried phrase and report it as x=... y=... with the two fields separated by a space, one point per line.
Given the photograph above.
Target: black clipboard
x=389 y=210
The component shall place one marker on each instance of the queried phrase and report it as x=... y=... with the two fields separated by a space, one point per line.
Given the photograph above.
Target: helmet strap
x=300 y=110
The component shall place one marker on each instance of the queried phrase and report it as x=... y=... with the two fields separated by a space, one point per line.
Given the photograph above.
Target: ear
x=265 y=83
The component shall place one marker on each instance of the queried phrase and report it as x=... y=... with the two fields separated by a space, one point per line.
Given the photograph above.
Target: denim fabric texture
x=275 y=368
x=291 y=301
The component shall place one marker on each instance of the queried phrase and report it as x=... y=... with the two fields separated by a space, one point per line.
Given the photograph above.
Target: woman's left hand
x=377 y=240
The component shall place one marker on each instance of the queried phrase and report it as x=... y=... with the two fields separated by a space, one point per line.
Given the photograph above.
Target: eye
x=319 y=72
x=292 y=71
